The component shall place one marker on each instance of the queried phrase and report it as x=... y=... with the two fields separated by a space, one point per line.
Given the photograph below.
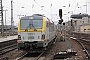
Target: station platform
x=3 y=39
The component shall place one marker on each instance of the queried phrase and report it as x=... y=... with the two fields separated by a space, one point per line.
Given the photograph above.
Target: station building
x=79 y=23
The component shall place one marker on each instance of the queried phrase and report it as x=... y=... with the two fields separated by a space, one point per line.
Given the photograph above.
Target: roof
x=78 y=15
x=89 y=16
x=33 y=17
x=86 y=24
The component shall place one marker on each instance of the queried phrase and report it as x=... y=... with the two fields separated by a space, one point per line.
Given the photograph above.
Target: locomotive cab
x=33 y=33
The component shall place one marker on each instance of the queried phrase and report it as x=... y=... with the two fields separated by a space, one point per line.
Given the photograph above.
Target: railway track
x=8 y=49
x=7 y=46
x=40 y=55
x=22 y=57
x=84 y=43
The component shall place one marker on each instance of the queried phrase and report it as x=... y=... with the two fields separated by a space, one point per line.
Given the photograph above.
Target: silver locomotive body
x=37 y=33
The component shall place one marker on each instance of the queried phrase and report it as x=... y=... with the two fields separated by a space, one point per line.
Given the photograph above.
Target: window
x=30 y=24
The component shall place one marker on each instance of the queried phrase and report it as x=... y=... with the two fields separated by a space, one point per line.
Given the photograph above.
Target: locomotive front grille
x=31 y=37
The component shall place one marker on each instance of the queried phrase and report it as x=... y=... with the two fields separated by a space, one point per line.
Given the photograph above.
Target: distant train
x=35 y=32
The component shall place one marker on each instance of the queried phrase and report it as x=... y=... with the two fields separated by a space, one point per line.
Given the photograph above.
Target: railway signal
x=60 y=13
x=60 y=21
x=62 y=31
x=63 y=23
x=71 y=23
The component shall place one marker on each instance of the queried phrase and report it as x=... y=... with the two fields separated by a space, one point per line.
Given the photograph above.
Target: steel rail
x=83 y=47
x=8 y=49
x=21 y=57
x=40 y=55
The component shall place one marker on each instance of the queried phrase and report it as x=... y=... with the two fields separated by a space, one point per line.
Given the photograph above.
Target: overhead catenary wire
x=14 y=9
x=47 y=4
x=70 y=6
x=23 y=6
x=21 y=3
x=26 y=6
x=76 y=6
x=73 y=3
x=14 y=12
x=41 y=7
x=16 y=2
x=49 y=7
x=31 y=6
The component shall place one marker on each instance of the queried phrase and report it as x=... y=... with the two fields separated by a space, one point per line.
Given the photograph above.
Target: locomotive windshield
x=30 y=24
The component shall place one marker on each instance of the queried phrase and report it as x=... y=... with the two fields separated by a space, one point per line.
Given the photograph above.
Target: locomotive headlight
x=18 y=41
x=19 y=37
x=43 y=37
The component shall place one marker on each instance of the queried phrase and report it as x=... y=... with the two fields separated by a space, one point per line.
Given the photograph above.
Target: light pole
x=5 y=21
x=1 y=19
x=12 y=21
x=86 y=6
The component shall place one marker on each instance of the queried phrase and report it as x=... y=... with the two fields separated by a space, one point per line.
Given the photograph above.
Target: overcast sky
x=50 y=8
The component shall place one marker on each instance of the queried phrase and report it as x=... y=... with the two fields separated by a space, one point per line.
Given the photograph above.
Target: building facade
x=79 y=23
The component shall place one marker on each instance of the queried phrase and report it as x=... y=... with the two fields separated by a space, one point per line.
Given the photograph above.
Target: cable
x=24 y=4
x=49 y=7
x=41 y=7
x=46 y=3
x=73 y=2
x=18 y=5
x=38 y=5
x=70 y=6
x=76 y=7
x=14 y=9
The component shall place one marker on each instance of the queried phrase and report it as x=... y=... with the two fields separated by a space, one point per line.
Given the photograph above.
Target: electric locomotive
x=35 y=32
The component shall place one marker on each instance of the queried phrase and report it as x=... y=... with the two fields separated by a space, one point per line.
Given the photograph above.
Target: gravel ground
x=11 y=55
x=63 y=46
x=55 y=48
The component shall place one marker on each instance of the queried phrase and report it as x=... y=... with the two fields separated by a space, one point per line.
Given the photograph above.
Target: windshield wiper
x=27 y=27
x=31 y=24
x=34 y=28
